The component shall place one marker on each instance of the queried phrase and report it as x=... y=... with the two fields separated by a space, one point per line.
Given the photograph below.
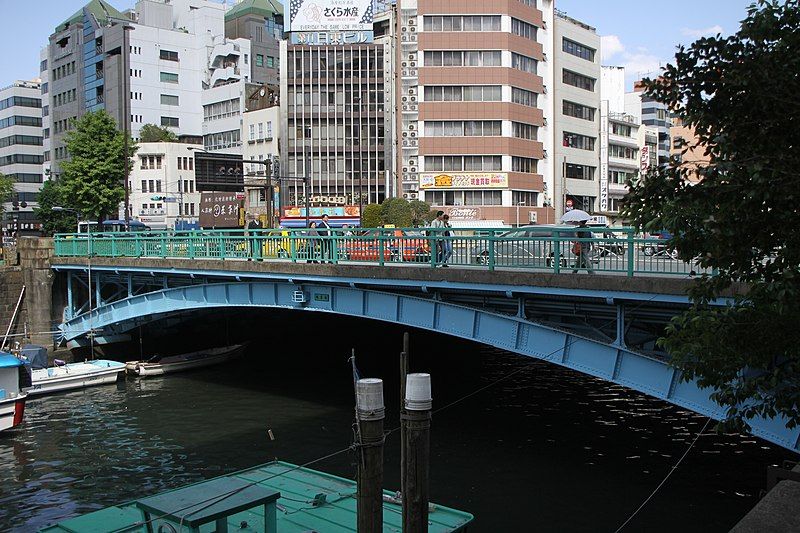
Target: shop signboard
x=464 y=213
x=330 y=15
x=321 y=38
x=316 y=212
x=220 y=210
x=463 y=180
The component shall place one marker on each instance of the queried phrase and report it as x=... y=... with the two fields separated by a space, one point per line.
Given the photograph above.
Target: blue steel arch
x=609 y=361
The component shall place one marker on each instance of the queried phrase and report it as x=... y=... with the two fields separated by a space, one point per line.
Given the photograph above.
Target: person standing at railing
x=447 y=243
x=437 y=225
x=311 y=244
x=583 y=248
x=253 y=228
x=325 y=241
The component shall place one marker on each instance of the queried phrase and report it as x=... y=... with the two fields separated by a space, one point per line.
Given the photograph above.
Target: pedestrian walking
x=311 y=244
x=447 y=248
x=253 y=230
x=437 y=225
x=326 y=233
x=582 y=249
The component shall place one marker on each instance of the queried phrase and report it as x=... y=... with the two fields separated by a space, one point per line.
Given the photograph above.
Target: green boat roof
x=99 y=8
x=265 y=8
x=310 y=500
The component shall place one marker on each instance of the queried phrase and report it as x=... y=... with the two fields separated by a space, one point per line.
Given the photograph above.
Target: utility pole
x=370 y=413
x=403 y=377
x=126 y=116
x=416 y=453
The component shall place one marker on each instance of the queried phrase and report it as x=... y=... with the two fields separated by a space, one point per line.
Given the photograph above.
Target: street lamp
x=59 y=209
x=519 y=203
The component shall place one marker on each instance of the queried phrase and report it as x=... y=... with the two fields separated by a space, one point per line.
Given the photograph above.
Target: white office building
x=21 y=151
x=162 y=185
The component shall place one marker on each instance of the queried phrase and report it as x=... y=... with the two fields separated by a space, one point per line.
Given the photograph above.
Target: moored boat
x=159 y=365
x=67 y=376
x=13 y=377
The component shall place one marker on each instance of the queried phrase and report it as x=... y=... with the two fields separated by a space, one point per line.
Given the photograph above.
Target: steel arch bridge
x=610 y=361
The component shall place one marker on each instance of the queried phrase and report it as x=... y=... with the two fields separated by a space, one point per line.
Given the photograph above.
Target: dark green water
x=546 y=450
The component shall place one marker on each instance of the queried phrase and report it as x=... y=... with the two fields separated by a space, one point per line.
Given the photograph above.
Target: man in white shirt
x=438 y=223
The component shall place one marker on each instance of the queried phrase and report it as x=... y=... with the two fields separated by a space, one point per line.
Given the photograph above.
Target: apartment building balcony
x=623 y=163
x=630 y=142
x=224 y=75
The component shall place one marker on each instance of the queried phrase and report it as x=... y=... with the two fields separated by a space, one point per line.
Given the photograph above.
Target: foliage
x=52 y=194
x=371 y=216
x=420 y=212
x=6 y=189
x=93 y=177
x=150 y=133
x=397 y=211
x=739 y=93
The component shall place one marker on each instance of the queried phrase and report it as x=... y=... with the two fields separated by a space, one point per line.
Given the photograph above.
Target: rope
x=663 y=481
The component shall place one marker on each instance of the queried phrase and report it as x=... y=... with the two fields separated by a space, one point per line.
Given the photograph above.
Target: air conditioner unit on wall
x=532 y=217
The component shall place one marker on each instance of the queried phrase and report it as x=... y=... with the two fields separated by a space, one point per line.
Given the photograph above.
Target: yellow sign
x=464 y=180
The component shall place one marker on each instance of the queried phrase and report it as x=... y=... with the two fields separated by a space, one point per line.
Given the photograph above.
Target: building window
x=462 y=23
x=578 y=80
x=245 y=59
x=459 y=163
x=467 y=93
x=259 y=60
x=578 y=111
x=168 y=55
x=577 y=49
x=524 y=131
x=217 y=110
x=524 y=198
x=169 y=99
x=523 y=97
x=463 y=128
x=169 y=77
x=622 y=152
x=620 y=176
x=270 y=62
x=523 y=29
x=524 y=164
x=225 y=139
x=252 y=132
x=269 y=129
x=171 y=122
x=464 y=197
x=575 y=140
x=458 y=58
x=622 y=130
x=523 y=63
x=579 y=172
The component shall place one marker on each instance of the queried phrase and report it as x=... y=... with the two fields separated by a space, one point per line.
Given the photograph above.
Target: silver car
x=528 y=246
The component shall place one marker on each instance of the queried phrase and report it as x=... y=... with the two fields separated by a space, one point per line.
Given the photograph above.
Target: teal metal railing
x=547 y=249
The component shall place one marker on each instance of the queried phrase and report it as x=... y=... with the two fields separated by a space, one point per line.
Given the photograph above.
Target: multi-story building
x=336 y=120
x=474 y=110
x=261 y=23
x=162 y=185
x=21 y=150
x=686 y=150
x=619 y=157
x=148 y=65
x=577 y=87
x=654 y=114
x=260 y=132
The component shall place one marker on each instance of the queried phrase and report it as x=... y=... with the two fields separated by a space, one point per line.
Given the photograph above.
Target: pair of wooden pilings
x=415 y=430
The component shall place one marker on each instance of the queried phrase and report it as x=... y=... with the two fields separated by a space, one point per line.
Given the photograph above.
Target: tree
x=371 y=217
x=93 y=177
x=52 y=194
x=150 y=133
x=419 y=211
x=739 y=93
x=6 y=190
x=397 y=211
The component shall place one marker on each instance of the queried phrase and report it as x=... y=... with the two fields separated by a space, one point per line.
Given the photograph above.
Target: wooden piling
x=370 y=415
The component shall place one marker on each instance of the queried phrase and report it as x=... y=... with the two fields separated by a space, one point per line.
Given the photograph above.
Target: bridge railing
x=546 y=248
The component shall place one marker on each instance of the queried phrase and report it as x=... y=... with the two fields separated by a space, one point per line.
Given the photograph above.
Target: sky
x=635 y=35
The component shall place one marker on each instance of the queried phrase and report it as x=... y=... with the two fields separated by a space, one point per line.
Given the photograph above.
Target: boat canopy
x=9 y=361
x=36 y=355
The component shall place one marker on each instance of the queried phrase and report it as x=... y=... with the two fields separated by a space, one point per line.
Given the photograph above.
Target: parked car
x=398 y=245
x=529 y=246
x=657 y=248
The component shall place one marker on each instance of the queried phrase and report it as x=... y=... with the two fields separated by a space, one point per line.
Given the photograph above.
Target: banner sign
x=219 y=210
x=330 y=15
x=464 y=213
x=332 y=211
x=644 y=159
x=604 y=155
x=320 y=38
x=464 y=180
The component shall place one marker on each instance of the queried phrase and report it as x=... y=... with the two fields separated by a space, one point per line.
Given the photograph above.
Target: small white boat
x=66 y=376
x=157 y=365
x=13 y=376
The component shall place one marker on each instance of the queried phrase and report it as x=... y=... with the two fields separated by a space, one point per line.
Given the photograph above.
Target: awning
x=478 y=224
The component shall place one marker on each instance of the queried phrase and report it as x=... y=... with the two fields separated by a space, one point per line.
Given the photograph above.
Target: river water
x=547 y=449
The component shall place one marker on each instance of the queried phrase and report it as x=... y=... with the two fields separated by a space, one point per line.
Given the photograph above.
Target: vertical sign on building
x=604 y=155
x=644 y=160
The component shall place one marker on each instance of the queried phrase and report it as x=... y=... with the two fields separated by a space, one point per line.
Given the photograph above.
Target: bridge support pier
x=34 y=260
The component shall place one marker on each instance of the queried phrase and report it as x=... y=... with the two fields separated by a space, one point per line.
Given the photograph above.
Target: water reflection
x=571 y=452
